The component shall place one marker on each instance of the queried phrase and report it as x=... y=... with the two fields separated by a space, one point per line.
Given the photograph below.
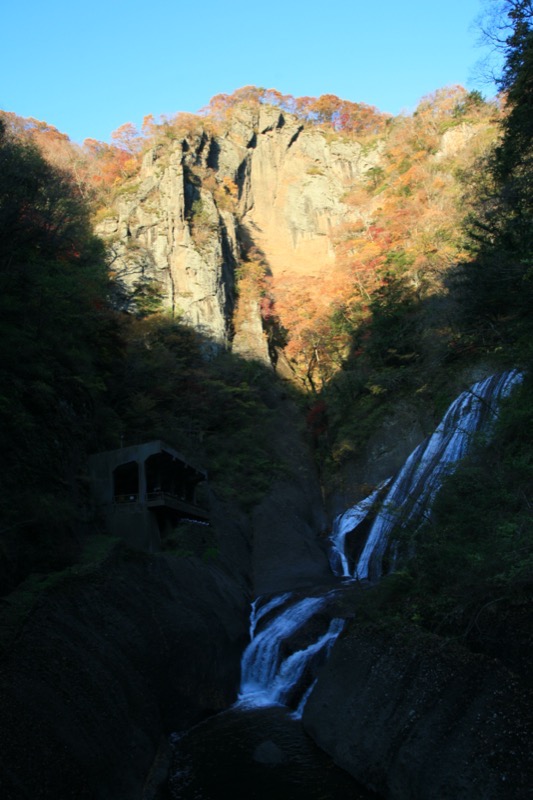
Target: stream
x=258 y=749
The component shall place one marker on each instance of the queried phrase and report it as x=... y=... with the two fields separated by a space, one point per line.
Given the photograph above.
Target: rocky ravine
x=109 y=664
x=121 y=653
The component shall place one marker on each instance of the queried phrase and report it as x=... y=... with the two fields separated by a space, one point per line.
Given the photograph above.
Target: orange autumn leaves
x=407 y=203
x=411 y=209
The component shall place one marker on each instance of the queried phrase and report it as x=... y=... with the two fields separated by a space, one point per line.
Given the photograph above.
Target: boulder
x=107 y=665
x=412 y=716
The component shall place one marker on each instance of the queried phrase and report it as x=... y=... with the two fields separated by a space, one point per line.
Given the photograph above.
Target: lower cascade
x=290 y=634
x=269 y=677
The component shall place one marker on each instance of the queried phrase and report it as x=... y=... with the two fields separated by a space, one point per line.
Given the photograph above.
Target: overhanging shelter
x=144 y=489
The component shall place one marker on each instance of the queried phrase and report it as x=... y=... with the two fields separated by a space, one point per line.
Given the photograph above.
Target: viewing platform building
x=144 y=490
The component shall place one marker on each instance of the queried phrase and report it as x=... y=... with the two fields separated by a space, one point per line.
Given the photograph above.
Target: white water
x=260 y=611
x=412 y=492
x=270 y=675
x=346 y=523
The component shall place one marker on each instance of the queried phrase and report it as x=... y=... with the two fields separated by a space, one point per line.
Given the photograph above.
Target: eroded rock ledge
x=413 y=716
x=103 y=668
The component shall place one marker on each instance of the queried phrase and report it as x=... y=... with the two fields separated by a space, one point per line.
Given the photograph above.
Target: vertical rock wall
x=413 y=717
x=177 y=224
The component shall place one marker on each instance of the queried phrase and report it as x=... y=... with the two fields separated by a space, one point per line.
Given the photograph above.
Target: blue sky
x=88 y=68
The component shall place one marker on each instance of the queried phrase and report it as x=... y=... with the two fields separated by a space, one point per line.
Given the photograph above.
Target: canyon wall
x=413 y=716
x=268 y=186
x=103 y=668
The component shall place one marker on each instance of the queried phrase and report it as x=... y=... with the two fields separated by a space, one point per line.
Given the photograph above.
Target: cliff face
x=267 y=186
x=291 y=199
x=152 y=237
x=108 y=664
x=410 y=716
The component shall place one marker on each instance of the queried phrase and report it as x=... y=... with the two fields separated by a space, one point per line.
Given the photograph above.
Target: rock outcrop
x=167 y=229
x=294 y=179
x=107 y=664
x=199 y=205
x=412 y=717
x=260 y=754
x=278 y=545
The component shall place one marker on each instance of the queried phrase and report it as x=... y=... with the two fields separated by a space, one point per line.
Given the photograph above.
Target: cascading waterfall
x=348 y=521
x=268 y=677
x=412 y=492
x=273 y=672
x=260 y=611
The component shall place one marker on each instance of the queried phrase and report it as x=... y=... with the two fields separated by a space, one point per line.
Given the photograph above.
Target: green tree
x=499 y=283
x=54 y=332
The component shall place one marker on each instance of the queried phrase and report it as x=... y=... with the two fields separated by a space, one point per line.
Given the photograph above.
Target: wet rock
x=256 y=753
x=269 y=753
x=414 y=716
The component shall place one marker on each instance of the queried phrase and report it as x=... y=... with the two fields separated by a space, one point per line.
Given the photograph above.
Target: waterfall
x=346 y=523
x=270 y=676
x=277 y=666
x=412 y=492
x=260 y=611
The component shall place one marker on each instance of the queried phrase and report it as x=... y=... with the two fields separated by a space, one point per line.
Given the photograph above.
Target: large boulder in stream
x=413 y=716
x=108 y=663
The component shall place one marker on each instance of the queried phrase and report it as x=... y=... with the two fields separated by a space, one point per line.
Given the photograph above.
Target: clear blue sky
x=89 y=67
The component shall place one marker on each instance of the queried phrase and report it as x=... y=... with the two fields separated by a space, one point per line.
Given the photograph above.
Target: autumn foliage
x=409 y=204
x=327 y=110
x=96 y=167
x=410 y=227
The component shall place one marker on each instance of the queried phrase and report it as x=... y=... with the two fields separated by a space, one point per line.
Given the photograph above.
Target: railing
x=160 y=494
x=176 y=502
x=160 y=497
x=135 y=497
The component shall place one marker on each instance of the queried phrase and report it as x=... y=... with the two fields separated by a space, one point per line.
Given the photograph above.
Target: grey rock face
x=169 y=230
x=250 y=340
x=412 y=719
x=179 y=225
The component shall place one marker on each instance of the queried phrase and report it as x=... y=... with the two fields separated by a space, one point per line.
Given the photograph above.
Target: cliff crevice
x=199 y=205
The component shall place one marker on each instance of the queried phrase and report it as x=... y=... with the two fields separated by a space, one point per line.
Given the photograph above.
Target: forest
x=437 y=276
x=440 y=275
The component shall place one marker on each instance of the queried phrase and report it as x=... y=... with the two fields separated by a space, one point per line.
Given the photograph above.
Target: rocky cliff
x=412 y=716
x=256 y=226
x=107 y=665
x=267 y=186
